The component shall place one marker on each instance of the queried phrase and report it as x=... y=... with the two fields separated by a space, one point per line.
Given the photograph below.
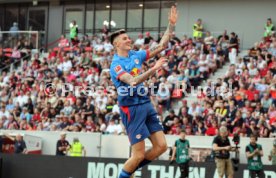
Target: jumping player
x=137 y=113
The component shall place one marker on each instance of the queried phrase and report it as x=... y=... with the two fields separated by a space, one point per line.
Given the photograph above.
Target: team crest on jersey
x=136 y=61
x=138 y=136
x=118 y=69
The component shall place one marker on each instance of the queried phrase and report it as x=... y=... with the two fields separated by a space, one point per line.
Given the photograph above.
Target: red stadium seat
x=177 y=94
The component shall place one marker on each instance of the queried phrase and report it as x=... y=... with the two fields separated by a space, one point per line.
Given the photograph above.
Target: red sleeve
x=118 y=77
x=148 y=53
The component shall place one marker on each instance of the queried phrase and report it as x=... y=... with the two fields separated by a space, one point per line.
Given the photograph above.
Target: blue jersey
x=127 y=95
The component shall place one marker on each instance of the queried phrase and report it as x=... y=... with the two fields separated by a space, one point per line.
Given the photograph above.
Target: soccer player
x=137 y=113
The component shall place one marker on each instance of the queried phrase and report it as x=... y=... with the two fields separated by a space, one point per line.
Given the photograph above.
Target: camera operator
x=181 y=152
x=222 y=148
x=254 y=152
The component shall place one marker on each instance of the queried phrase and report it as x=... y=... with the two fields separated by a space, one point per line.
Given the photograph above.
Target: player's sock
x=143 y=163
x=124 y=174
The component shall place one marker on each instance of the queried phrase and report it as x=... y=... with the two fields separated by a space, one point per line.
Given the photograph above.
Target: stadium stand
x=53 y=91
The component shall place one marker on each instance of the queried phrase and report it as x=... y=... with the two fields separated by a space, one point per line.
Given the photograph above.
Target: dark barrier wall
x=36 y=166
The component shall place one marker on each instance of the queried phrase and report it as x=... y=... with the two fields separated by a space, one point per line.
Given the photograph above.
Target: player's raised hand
x=173 y=15
x=160 y=62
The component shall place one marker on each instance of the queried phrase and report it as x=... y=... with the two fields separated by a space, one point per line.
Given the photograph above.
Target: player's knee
x=139 y=157
x=162 y=148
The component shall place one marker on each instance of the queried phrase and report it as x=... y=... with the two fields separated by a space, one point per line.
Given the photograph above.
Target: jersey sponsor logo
x=135 y=72
x=118 y=69
x=136 y=61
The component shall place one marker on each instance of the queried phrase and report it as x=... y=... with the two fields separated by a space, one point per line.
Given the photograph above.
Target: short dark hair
x=115 y=34
x=254 y=136
x=172 y=111
x=183 y=131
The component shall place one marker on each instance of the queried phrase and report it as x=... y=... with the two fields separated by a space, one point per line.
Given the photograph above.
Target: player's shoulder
x=133 y=52
x=116 y=61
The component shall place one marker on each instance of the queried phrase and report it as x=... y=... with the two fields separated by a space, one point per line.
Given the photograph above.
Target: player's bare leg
x=138 y=155
x=159 y=145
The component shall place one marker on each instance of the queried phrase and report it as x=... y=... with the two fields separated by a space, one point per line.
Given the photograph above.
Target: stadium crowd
x=51 y=93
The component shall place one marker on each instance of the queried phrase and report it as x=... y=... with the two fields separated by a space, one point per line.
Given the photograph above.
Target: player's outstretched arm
x=173 y=15
x=133 y=81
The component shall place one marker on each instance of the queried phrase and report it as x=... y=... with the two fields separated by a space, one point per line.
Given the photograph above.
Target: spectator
x=101 y=125
x=74 y=32
x=208 y=39
x=168 y=121
x=233 y=43
x=199 y=129
x=25 y=114
x=14 y=29
x=163 y=96
x=114 y=127
x=90 y=125
x=62 y=145
x=198 y=29
x=85 y=41
x=15 y=54
x=4 y=112
x=213 y=130
x=108 y=47
x=269 y=28
x=139 y=41
x=65 y=124
x=252 y=129
x=194 y=75
x=148 y=38
x=194 y=110
x=63 y=42
x=19 y=144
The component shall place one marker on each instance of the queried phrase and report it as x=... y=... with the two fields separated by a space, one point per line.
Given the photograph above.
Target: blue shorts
x=140 y=121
